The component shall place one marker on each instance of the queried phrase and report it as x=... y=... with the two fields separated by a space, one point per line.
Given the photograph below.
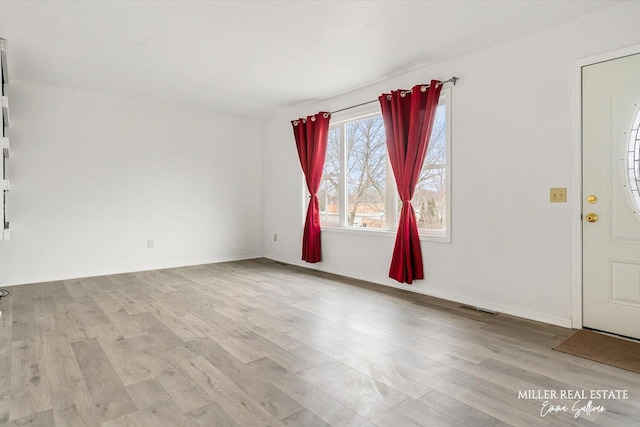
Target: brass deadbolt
x=591 y=217
x=591 y=199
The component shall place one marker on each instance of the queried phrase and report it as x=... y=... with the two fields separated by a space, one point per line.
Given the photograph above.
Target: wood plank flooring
x=258 y=343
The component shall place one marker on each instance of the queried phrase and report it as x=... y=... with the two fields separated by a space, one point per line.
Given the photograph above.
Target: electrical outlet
x=150 y=244
x=275 y=237
x=558 y=195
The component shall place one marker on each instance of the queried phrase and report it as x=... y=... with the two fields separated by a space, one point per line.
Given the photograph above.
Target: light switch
x=558 y=195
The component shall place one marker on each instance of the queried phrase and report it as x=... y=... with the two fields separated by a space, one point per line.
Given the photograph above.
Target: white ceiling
x=253 y=57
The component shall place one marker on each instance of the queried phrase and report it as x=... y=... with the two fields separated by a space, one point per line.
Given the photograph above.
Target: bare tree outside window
x=366 y=172
x=429 y=199
x=328 y=192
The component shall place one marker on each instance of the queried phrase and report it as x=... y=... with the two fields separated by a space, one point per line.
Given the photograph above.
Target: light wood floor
x=256 y=343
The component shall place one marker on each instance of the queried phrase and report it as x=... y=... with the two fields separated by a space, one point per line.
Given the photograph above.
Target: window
x=358 y=190
x=356 y=161
x=633 y=163
x=430 y=198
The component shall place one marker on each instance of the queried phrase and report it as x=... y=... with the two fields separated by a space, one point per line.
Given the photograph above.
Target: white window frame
x=391 y=214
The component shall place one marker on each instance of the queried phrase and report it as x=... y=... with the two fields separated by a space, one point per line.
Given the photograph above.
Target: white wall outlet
x=150 y=244
x=275 y=237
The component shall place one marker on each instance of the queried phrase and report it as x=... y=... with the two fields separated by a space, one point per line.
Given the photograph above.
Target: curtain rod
x=453 y=80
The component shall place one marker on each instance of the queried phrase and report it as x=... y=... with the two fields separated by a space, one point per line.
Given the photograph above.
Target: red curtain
x=408 y=119
x=311 y=139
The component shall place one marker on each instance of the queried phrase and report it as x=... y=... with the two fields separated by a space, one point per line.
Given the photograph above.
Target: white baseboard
x=450 y=296
x=105 y=272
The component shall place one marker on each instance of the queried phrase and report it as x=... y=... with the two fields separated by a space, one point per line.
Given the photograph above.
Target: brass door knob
x=591 y=217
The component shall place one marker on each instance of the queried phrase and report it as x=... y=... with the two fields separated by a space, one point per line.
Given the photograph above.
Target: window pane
x=332 y=159
x=633 y=159
x=429 y=200
x=328 y=191
x=437 y=152
x=328 y=199
x=366 y=172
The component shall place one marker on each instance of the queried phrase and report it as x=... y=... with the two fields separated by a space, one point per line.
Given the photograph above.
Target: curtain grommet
x=423 y=88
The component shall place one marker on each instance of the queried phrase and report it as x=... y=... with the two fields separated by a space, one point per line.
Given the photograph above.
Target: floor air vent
x=482 y=310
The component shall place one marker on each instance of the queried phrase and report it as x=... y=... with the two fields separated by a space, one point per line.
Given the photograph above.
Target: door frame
x=576 y=172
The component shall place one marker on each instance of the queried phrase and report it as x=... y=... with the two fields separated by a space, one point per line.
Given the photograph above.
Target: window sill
x=441 y=238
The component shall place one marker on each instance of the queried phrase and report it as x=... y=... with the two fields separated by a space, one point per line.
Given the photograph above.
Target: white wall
x=511 y=249
x=94 y=176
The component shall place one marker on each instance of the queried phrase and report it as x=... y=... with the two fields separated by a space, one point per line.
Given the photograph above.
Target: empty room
x=320 y=213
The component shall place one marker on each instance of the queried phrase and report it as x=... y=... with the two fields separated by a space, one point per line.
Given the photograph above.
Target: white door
x=611 y=219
